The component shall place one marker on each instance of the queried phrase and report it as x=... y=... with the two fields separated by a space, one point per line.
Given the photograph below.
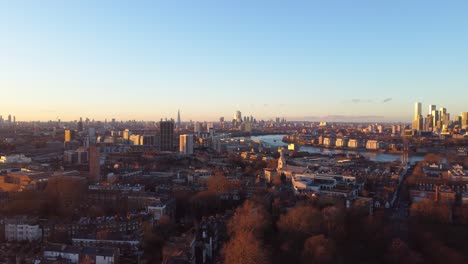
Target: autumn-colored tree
x=399 y=252
x=204 y=203
x=430 y=211
x=272 y=164
x=218 y=184
x=252 y=218
x=318 y=249
x=95 y=211
x=277 y=181
x=334 y=218
x=245 y=248
x=435 y=251
x=433 y=158
x=461 y=214
x=295 y=227
x=301 y=221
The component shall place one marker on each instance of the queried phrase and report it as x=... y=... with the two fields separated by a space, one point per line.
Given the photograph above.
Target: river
x=277 y=141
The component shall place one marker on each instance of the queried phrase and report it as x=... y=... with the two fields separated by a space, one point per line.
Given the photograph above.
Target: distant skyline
x=302 y=60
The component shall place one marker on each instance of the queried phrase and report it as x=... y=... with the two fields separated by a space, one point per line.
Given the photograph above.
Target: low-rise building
x=76 y=254
x=340 y=185
x=19 y=180
x=22 y=229
x=355 y=143
x=342 y=142
x=373 y=144
x=329 y=142
x=15 y=158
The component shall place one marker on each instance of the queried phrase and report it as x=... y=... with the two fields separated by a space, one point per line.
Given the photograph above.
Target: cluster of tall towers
x=436 y=120
x=9 y=121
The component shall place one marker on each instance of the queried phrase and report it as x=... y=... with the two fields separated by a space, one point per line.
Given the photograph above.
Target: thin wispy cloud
x=387 y=100
x=357 y=100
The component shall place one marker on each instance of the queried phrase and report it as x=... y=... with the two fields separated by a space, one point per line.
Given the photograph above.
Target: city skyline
x=364 y=61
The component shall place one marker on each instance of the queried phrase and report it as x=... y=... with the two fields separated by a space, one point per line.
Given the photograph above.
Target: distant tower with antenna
x=178 y=119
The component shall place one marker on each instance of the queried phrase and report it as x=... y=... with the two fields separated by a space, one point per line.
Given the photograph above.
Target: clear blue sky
x=145 y=59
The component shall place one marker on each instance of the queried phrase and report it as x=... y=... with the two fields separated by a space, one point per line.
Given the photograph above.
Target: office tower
x=80 y=125
x=432 y=108
x=464 y=119
x=418 y=119
x=248 y=127
x=458 y=120
x=14 y=119
x=417 y=110
x=186 y=144
x=197 y=127
x=94 y=163
x=221 y=119
x=429 y=126
x=126 y=134
x=238 y=117
x=167 y=135
x=178 y=120
x=92 y=135
x=435 y=119
x=69 y=135
x=9 y=119
x=209 y=127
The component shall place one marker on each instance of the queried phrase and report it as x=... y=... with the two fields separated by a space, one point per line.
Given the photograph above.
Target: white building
x=22 y=229
x=157 y=210
x=16 y=158
x=58 y=251
x=354 y=143
x=373 y=144
x=73 y=254
x=186 y=144
x=330 y=142
x=341 y=142
x=325 y=183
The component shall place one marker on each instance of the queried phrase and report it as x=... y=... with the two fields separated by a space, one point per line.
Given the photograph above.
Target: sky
x=302 y=60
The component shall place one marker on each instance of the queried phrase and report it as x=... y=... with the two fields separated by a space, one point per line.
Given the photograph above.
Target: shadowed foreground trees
x=250 y=218
x=318 y=249
x=248 y=228
x=295 y=227
x=245 y=248
x=333 y=234
x=430 y=211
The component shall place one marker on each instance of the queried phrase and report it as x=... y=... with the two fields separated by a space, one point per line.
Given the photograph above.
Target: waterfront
x=277 y=141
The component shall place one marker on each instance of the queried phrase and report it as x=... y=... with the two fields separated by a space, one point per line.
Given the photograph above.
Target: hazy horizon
x=359 y=60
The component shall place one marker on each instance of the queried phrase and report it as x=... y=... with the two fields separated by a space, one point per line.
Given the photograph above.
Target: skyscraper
x=69 y=135
x=167 y=135
x=432 y=108
x=80 y=125
x=186 y=144
x=435 y=118
x=418 y=119
x=94 y=163
x=417 y=110
x=178 y=119
x=238 y=117
x=197 y=127
x=464 y=119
